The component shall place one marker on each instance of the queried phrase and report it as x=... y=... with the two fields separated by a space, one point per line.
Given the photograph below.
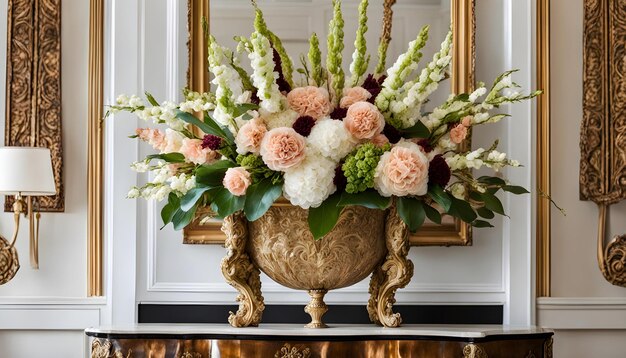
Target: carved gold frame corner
x=543 y=286
x=95 y=149
x=463 y=24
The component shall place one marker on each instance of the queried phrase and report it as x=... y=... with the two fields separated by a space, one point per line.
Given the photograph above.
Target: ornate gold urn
x=364 y=241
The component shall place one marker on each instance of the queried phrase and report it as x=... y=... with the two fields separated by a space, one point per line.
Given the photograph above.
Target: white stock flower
x=140 y=167
x=310 y=183
x=182 y=183
x=174 y=141
x=330 y=138
x=263 y=76
x=122 y=100
x=477 y=94
x=135 y=102
x=133 y=193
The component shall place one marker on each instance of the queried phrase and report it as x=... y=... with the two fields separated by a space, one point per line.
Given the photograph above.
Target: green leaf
x=191 y=198
x=419 y=130
x=260 y=197
x=224 y=203
x=493 y=203
x=168 y=157
x=324 y=218
x=411 y=211
x=463 y=97
x=432 y=214
x=213 y=175
x=440 y=197
x=492 y=180
x=168 y=211
x=462 y=210
x=183 y=218
x=151 y=99
x=241 y=109
x=517 y=190
x=369 y=199
x=485 y=213
x=481 y=223
x=209 y=126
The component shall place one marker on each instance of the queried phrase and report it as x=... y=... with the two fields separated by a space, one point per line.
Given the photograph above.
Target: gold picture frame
x=455 y=233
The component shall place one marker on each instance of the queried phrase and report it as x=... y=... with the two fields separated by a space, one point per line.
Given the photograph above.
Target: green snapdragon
x=359 y=61
x=334 y=61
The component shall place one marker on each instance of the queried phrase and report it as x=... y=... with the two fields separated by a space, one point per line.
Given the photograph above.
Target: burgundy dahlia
x=439 y=171
x=373 y=86
x=303 y=125
x=339 y=113
x=392 y=134
x=425 y=144
x=340 y=179
x=212 y=142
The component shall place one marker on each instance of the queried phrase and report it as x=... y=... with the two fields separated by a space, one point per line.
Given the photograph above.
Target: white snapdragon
x=310 y=183
x=263 y=76
x=479 y=92
x=133 y=193
x=161 y=174
x=479 y=158
x=226 y=80
x=182 y=183
x=330 y=138
x=140 y=167
x=165 y=113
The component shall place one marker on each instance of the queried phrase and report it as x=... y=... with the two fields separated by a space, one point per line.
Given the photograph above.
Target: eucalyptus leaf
x=369 y=199
x=324 y=218
x=191 y=198
x=485 y=213
x=432 y=214
x=168 y=157
x=183 y=218
x=259 y=198
x=492 y=180
x=493 y=203
x=411 y=211
x=517 y=190
x=462 y=210
x=168 y=211
x=481 y=223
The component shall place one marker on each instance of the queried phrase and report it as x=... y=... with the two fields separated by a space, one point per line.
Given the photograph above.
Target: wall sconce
x=24 y=172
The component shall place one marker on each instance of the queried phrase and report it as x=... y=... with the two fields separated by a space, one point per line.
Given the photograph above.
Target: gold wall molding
x=95 y=172
x=454 y=233
x=543 y=149
x=33 y=87
x=603 y=129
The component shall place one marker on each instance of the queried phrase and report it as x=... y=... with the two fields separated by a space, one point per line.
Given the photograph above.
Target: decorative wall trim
x=50 y=313
x=33 y=87
x=582 y=312
x=543 y=149
x=95 y=173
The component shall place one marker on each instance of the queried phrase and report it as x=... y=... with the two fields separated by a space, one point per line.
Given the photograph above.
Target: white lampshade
x=26 y=171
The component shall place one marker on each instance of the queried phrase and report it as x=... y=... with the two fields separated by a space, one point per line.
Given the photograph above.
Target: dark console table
x=292 y=341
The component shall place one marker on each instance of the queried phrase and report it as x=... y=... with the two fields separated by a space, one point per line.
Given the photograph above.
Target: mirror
x=295 y=22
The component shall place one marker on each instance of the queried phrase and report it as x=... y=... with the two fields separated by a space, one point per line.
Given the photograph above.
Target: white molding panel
x=50 y=313
x=582 y=312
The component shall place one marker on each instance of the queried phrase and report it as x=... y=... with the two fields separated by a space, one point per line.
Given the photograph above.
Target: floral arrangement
x=326 y=139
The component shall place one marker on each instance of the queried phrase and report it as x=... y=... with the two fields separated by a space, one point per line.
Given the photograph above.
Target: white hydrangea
x=330 y=138
x=279 y=119
x=310 y=183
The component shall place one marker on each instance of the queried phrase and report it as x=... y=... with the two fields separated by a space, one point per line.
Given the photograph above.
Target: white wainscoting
x=582 y=312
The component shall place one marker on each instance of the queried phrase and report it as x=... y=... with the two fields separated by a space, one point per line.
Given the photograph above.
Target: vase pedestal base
x=316 y=309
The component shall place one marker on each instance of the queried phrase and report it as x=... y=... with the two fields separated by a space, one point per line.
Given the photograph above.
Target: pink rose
x=354 y=95
x=380 y=140
x=282 y=148
x=458 y=133
x=310 y=101
x=467 y=121
x=250 y=136
x=364 y=120
x=237 y=181
x=193 y=151
x=154 y=137
x=402 y=171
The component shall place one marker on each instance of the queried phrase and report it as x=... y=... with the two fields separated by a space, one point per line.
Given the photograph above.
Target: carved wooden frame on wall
x=454 y=233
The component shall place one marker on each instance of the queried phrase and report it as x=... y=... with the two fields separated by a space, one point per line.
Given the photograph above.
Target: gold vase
x=363 y=242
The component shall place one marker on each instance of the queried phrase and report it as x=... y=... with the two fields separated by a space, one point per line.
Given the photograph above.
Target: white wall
x=54 y=297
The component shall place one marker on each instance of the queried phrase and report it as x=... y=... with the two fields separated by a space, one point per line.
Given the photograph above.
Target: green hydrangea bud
x=360 y=167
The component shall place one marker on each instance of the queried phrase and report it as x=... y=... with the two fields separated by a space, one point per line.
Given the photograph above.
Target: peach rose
x=154 y=137
x=364 y=120
x=250 y=136
x=402 y=171
x=458 y=133
x=380 y=140
x=353 y=95
x=467 y=121
x=237 y=181
x=282 y=148
x=193 y=151
x=310 y=101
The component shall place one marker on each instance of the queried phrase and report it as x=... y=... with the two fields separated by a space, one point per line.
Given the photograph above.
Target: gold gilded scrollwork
x=547 y=348
x=474 y=351
x=33 y=103
x=105 y=349
x=603 y=130
x=287 y=351
x=241 y=273
x=395 y=272
x=9 y=263
x=191 y=355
